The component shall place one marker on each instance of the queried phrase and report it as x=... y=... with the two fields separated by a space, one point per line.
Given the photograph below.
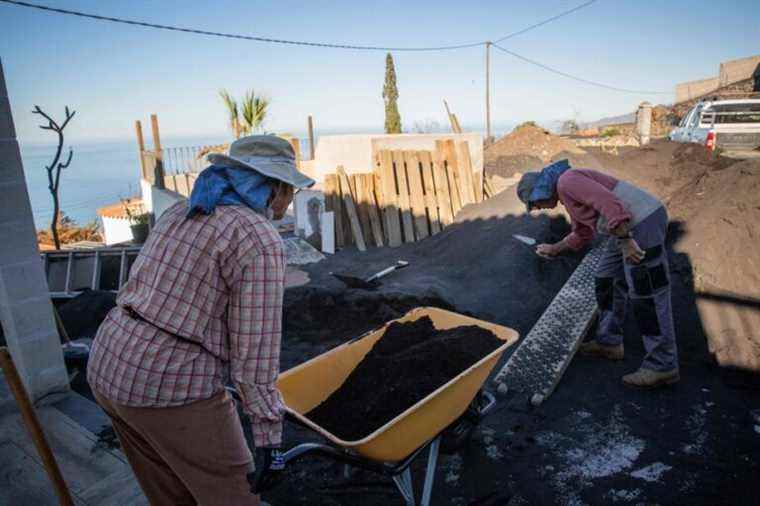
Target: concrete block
x=42 y=361
x=28 y=321
x=18 y=240
x=16 y=204
x=22 y=281
x=3 y=89
x=7 y=131
x=11 y=168
x=692 y=89
x=737 y=70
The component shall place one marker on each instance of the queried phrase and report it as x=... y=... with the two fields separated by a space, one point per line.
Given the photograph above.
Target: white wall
x=161 y=200
x=146 y=193
x=116 y=230
x=354 y=152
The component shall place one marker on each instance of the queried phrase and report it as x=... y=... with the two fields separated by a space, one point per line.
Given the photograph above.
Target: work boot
x=647 y=378
x=594 y=349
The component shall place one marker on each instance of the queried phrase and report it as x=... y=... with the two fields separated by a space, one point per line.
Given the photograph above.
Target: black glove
x=269 y=466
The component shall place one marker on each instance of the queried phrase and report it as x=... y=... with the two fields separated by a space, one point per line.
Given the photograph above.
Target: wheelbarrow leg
x=430 y=473
x=404 y=483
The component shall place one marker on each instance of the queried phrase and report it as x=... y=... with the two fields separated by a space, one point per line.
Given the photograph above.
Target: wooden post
x=442 y=189
x=431 y=199
x=34 y=428
x=488 y=92
x=389 y=203
x=416 y=194
x=159 y=169
x=404 y=201
x=449 y=155
x=361 y=199
x=311 y=138
x=353 y=217
x=456 y=123
x=374 y=216
x=140 y=146
x=332 y=203
x=296 y=145
x=464 y=165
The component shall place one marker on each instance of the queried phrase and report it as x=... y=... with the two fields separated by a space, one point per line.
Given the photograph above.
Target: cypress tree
x=390 y=95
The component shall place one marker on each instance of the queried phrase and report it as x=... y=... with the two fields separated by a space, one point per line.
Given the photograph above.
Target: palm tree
x=232 y=109
x=254 y=109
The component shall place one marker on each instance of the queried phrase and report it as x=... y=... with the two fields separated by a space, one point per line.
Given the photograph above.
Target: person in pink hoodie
x=634 y=265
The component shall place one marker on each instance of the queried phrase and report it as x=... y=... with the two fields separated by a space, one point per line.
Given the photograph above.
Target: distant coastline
x=103 y=171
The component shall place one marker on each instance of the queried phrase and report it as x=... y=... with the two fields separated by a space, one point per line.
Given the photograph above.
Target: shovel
x=371 y=282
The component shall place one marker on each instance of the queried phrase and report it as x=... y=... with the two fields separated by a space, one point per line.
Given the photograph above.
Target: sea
x=100 y=174
x=103 y=172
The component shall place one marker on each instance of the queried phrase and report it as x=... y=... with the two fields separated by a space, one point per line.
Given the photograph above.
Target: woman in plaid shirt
x=203 y=304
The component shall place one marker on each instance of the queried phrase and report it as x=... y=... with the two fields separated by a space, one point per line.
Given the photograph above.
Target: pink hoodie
x=587 y=194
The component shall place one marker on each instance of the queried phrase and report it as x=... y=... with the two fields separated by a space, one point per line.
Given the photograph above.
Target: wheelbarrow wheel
x=459 y=433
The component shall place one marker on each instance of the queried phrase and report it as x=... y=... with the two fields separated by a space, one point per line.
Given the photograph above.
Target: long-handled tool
x=35 y=430
x=373 y=281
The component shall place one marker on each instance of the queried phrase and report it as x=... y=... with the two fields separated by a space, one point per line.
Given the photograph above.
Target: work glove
x=269 y=466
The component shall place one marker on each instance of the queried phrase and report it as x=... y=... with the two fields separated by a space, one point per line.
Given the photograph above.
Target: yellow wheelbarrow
x=391 y=449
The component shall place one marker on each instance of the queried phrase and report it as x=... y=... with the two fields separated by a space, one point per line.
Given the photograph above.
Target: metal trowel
x=373 y=281
x=530 y=242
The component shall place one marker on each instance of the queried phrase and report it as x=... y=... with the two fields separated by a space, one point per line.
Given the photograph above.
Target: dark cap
x=525 y=187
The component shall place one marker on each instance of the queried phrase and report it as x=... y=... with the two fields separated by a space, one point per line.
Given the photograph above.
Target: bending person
x=634 y=265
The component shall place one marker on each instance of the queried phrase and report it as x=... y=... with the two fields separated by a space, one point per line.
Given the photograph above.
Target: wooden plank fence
x=181 y=183
x=410 y=196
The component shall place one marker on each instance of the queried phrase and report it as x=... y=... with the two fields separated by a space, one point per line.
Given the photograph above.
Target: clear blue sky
x=113 y=74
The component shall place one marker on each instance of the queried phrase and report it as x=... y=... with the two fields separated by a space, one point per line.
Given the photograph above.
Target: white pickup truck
x=732 y=125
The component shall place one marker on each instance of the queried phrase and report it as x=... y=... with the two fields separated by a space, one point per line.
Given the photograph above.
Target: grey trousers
x=647 y=286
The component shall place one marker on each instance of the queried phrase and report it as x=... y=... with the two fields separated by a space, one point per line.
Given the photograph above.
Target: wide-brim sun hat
x=269 y=155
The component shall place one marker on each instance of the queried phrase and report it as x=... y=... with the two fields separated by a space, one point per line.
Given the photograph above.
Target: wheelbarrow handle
x=490 y=403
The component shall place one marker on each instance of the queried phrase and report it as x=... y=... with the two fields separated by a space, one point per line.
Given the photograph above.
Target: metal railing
x=186 y=158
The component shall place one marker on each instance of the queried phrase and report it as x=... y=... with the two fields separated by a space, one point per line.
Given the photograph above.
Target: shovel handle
x=386 y=271
x=32 y=424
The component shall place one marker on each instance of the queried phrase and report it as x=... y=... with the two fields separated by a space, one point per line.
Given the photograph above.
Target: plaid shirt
x=203 y=303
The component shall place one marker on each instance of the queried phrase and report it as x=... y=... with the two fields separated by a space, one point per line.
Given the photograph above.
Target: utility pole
x=311 y=137
x=488 y=91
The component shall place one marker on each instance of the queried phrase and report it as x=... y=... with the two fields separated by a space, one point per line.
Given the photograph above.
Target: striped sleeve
x=255 y=331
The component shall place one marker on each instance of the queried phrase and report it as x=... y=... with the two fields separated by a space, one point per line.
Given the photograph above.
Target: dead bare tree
x=54 y=169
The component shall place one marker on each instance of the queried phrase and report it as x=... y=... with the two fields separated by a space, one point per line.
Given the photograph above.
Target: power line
x=545 y=21
x=576 y=78
x=284 y=41
x=233 y=35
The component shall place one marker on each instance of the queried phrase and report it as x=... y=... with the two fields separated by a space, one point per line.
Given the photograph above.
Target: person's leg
x=649 y=285
x=610 y=296
x=611 y=304
x=157 y=481
x=203 y=444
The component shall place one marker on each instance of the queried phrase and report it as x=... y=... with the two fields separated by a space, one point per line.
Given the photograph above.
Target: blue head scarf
x=546 y=185
x=229 y=186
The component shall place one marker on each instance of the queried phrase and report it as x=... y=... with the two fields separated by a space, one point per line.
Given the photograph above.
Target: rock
x=537 y=399
x=502 y=389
